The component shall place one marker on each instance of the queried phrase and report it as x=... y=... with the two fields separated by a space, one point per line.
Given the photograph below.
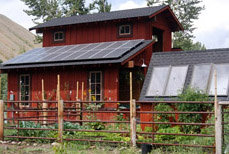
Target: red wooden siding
x=162 y=23
x=68 y=79
x=96 y=32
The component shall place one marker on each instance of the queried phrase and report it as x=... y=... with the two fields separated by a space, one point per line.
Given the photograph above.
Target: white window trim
x=56 y=40
x=120 y=27
x=21 y=104
x=101 y=85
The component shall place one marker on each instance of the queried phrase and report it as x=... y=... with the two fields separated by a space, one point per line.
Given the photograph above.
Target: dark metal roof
x=88 y=61
x=216 y=56
x=97 y=17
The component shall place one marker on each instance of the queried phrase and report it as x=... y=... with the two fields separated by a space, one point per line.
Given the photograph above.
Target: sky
x=212 y=27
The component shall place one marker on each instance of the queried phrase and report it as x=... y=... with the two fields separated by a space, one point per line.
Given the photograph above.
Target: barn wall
x=68 y=79
x=98 y=32
x=162 y=23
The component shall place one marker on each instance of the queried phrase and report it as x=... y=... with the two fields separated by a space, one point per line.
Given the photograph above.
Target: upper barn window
x=125 y=30
x=58 y=36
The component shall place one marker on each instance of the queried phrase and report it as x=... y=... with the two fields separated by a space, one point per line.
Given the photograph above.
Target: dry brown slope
x=14 y=39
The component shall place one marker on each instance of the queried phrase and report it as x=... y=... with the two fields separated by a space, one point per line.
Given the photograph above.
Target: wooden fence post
x=0 y=86
x=132 y=114
x=131 y=94
x=60 y=111
x=44 y=105
x=218 y=120
x=60 y=120
x=82 y=91
x=133 y=123
x=77 y=90
x=1 y=120
x=218 y=130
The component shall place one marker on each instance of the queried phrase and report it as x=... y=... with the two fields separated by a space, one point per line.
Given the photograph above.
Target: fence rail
x=131 y=125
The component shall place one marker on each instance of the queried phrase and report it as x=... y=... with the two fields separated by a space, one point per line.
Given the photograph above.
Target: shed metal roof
x=97 y=17
x=190 y=58
x=23 y=61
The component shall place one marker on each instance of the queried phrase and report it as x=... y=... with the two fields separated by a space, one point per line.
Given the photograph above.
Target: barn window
x=167 y=81
x=95 y=83
x=58 y=36
x=124 y=30
x=25 y=88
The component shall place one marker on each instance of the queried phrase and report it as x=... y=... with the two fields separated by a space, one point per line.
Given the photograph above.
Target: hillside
x=14 y=39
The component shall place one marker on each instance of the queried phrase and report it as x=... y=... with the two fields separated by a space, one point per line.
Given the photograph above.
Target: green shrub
x=191 y=94
x=163 y=117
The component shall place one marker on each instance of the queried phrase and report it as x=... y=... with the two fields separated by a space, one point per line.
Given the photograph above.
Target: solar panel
x=158 y=81
x=176 y=80
x=90 y=51
x=200 y=76
x=222 y=71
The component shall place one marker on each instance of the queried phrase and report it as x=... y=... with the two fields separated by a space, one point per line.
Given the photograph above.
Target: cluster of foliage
x=226 y=129
x=189 y=94
x=45 y=10
x=93 y=116
x=187 y=12
x=69 y=134
x=4 y=85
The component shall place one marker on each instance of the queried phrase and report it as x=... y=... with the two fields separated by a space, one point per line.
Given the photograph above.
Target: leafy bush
x=191 y=94
x=33 y=133
x=164 y=117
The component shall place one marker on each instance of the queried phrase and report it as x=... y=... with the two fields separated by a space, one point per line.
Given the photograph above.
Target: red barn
x=96 y=49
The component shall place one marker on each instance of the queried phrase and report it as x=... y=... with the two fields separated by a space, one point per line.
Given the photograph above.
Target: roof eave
x=181 y=28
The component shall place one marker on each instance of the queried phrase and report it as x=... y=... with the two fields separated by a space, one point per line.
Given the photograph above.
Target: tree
x=186 y=11
x=74 y=7
x=4 y=85
x=101 y=6
x=43 y=10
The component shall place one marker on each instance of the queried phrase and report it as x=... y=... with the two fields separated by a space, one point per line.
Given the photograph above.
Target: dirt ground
x=26 y=149
x=34 y=148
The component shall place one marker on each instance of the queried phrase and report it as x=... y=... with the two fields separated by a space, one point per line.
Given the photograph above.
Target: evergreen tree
x=75 y=7
x=43 y=10
x=101 y=6
x=4 y=85
x=186 y=11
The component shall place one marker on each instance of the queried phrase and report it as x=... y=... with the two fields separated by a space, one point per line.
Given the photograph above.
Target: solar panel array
x=91 y=51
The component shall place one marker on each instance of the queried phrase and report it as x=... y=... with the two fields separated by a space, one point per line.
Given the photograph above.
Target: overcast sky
x=212 y=26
